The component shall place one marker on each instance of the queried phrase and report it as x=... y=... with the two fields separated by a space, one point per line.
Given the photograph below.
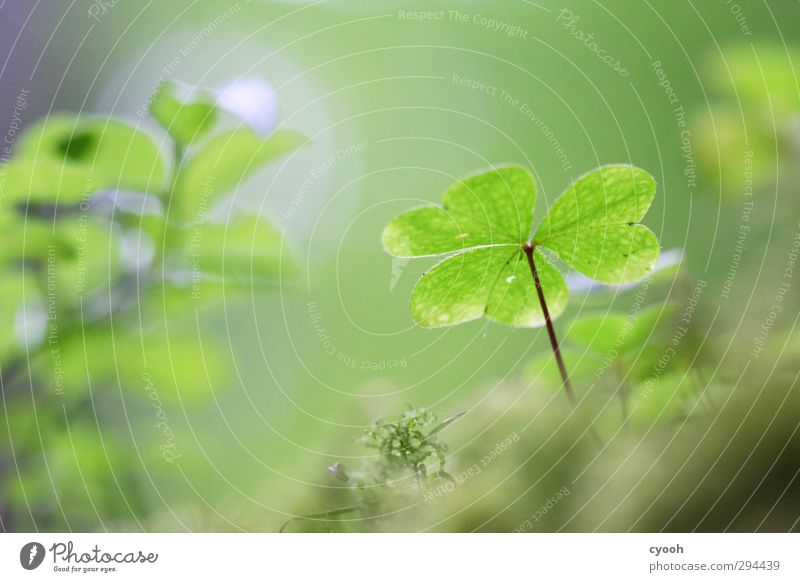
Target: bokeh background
x=263 y=389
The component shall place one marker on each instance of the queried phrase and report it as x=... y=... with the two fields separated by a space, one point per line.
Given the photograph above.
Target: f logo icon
x=31 y=555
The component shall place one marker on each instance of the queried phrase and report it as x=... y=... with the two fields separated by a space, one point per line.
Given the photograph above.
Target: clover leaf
x=483 y=229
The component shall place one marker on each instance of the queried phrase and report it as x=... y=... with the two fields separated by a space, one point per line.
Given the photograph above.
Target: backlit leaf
x=484 y=225
x=593 y=225
x=493 y=208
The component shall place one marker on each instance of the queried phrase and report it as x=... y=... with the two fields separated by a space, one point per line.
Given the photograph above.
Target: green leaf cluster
x=108 y=247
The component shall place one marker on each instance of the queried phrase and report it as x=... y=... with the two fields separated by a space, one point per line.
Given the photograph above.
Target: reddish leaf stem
x=551 y=331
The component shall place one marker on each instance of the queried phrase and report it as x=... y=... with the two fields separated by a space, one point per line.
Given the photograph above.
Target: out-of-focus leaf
x=224 y=162
x=85 y=257
x=247 y=250
x=110 y=152
x=646 y=323
x=80 y=362
x=758 y=76
x=82 y=470
x=24 y=238
x=187 y=113
x=618 y=333
x=602 y=333
x=45 y=180
x=180 y=366
x=661 y=399
x=582 y=368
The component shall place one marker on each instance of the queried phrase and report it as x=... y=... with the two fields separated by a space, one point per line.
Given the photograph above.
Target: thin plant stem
x=551 y=332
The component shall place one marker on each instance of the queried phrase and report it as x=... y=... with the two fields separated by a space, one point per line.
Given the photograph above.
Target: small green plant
x=110 y=239
x=496 y=266
x=609 y=344
x=401 y=467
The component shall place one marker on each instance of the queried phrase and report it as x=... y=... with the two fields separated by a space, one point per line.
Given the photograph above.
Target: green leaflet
x=247 y=249
x=484 y=225
x=661 y=398
x=582 y=366
x=593 y=225
x=24 y=181
x=225 y=161
x=107 y=153
x=616 y=332
x=492 y=208
x=493 y=281
x=185 y=112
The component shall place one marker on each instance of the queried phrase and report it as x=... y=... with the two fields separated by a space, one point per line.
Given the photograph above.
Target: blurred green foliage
x=80 y=311
x=254 y=455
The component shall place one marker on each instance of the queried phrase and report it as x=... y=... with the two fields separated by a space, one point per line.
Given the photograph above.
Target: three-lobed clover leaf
x=483 y=229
